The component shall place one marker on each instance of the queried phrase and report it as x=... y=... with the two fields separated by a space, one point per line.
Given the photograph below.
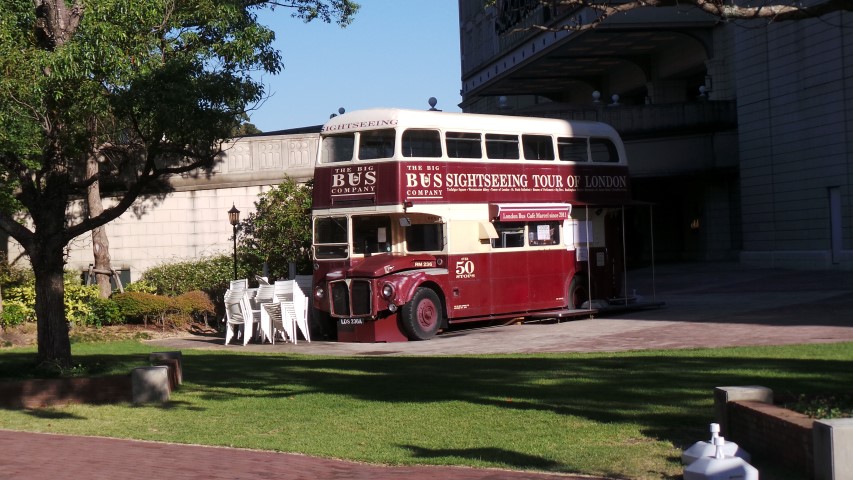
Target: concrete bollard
x=833 y=449
x=150 y=384
x=174 y=360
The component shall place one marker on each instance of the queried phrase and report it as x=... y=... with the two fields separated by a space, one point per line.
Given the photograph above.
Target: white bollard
x=720 y=467
x=708 y=449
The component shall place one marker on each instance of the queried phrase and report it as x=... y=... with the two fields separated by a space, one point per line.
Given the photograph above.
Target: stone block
x=833 y=449
x=150 y=384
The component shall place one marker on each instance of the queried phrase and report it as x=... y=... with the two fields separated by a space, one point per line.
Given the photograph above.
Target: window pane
x=330 y=230
x=421 y=143
x=338 y=148
x=543 y=233
x=376 y=144
x=510 y=235
x=501 y=147
x=538 y=147
x=371 y=234
x=572 y=149
x=603 y=150
x=425 y=237
x=463 y=145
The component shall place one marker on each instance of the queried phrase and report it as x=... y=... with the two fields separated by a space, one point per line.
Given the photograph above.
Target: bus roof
x=379 y=118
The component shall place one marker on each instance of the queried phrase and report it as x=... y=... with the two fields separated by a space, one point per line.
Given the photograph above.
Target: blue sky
x=396 y=53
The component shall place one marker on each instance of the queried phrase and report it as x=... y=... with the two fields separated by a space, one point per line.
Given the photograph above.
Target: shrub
x=142 y=307
x=210 y=274
x=15 y=313
x=195 y=303
x=141 y=286
x=104 y=311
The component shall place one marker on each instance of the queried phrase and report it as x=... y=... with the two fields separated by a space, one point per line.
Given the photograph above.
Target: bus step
x=563 y=314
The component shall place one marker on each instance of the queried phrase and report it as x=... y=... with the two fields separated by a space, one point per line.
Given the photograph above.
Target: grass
x=623 y=415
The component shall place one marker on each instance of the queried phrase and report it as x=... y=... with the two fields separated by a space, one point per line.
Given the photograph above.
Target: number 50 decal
x=465 y=268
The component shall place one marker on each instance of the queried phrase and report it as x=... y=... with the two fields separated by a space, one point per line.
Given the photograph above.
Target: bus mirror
x=405 y=222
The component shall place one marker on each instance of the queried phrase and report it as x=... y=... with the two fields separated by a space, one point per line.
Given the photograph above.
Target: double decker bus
x=425 y=219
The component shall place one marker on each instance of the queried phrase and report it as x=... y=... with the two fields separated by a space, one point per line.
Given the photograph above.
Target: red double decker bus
x=426 y=219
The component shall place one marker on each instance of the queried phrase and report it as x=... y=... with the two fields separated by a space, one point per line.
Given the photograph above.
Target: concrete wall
x=795 y=111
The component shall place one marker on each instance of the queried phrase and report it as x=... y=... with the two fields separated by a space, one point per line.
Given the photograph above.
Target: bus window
x=538 y=147
x=330 y=238
x=371 y=234
x=510 y=235
x=543 y=233
x=603 y=150
x=421 y=143
x=501 y=147
x=425 y=237
x=463 y=145
x=338 y=148
x=374 y=144
x=572 y=149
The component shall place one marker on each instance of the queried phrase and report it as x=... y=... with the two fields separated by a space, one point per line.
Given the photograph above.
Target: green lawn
x=617 y=414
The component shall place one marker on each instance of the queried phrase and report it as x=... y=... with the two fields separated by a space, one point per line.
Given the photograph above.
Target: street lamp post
x=234 y=218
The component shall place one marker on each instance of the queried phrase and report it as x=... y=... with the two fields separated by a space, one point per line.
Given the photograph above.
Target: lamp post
x=234 y=218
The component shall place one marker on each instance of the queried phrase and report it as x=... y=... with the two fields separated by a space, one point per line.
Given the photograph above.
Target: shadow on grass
x=668 y=395
x=493 y=455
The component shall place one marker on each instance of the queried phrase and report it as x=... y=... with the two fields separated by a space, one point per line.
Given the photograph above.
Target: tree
x=149 y=88
x=725 y=10
x=279 y=230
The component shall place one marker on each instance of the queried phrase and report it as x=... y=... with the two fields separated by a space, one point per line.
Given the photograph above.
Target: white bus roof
x=380 y=118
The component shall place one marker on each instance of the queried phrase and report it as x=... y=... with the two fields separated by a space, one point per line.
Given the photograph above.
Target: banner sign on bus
x=442 y=182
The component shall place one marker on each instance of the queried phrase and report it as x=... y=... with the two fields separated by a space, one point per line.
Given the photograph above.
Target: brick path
x=706 y=306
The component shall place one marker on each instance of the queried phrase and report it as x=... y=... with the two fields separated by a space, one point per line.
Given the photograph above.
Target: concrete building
x=739 y=133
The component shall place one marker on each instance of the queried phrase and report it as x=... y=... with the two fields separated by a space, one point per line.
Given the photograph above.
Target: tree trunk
x=100 y=242
x=54 y=345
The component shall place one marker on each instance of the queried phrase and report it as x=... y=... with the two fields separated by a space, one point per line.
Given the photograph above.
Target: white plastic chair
x=235 y=314
x=300 y=304
x=263 y=295
x=281 y=319
x=242 y=284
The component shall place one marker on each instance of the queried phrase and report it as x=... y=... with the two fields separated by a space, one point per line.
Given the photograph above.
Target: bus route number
x=465 y=268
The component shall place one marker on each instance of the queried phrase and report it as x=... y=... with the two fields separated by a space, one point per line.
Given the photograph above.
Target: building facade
x=738 y=133
x=192 y=221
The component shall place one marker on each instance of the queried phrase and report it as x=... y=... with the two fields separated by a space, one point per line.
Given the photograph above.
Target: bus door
x=548 y=265
x=509 y=283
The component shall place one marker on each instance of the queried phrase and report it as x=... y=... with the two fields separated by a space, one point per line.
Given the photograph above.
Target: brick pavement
x=706 y=306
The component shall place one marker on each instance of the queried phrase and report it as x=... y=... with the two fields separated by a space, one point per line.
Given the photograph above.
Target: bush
x=104 y=311
x=210 y=274
x=142 y=307
x=15 y=313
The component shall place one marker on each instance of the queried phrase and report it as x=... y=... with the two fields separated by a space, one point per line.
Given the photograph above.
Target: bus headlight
x=388 y=291
x=319 y=293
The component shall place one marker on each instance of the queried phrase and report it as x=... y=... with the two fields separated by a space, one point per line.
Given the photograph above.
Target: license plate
x=351 y=321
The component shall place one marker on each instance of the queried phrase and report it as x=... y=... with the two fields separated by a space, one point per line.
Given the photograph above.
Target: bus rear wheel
x=421 y=317
x=578 y=293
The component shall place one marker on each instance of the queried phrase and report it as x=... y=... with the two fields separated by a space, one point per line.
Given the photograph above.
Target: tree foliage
x=725 y=10
x=279 y=230
x=150 y=88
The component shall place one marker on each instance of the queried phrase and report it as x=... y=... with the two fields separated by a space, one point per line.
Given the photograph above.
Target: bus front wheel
x=578 y=293
x=421 y=317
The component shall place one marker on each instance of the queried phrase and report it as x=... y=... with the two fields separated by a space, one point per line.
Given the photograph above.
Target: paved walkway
x=705 y=306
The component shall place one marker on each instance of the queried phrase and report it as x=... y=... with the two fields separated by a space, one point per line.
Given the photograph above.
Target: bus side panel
x=468 y=278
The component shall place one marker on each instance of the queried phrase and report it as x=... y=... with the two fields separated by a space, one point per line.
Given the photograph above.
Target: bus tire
x=421 y=317
x=578 y=293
